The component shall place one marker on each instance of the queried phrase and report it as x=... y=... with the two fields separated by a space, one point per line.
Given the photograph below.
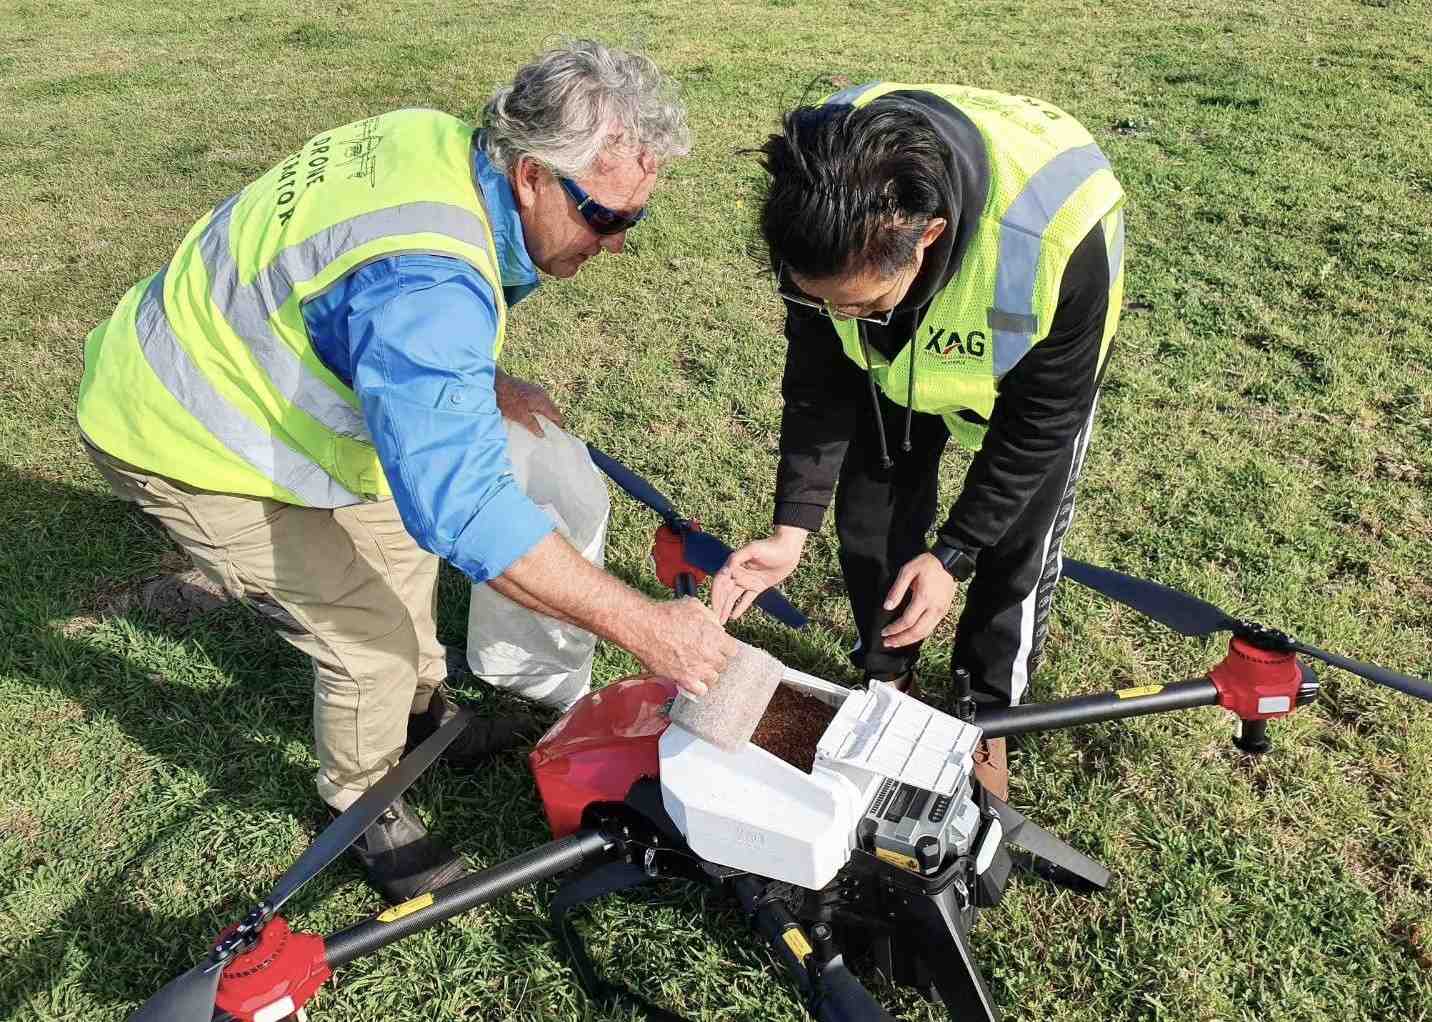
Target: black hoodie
x=1042 y=401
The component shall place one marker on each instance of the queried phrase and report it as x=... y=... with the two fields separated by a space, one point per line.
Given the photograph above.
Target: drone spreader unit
x=885 y=848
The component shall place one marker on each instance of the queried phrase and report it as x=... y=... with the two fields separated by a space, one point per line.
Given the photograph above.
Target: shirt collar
x=519 y=276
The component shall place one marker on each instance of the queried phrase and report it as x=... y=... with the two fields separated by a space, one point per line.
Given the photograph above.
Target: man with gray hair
x=307 y=398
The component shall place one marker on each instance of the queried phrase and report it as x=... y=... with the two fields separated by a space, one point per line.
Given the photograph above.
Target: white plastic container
x=753 y=811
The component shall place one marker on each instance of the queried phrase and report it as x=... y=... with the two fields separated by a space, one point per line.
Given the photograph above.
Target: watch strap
x=958 y=561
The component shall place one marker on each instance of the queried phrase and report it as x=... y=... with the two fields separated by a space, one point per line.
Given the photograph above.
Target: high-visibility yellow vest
x=1049 y=185
x=205 y=372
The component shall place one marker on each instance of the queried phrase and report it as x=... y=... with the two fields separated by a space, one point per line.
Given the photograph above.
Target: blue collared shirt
x=413 y=336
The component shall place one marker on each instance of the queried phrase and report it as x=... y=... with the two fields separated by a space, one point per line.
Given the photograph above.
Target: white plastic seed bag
x=508 y=646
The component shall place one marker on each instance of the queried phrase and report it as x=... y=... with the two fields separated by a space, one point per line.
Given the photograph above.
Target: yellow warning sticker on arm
x=897 y=859
x=796 y=941
x=1134 y=693
x=407 y=908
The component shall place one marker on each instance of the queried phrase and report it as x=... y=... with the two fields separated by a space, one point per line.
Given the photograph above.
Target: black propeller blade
x=1185 y=614
x=358 y=817
x=190 y=998
x=639 y=489
x=1402 y=682
x=1191 y=616
x=701 y=549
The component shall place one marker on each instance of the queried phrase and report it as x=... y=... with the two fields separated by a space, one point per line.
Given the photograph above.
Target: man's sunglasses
x=599 y=218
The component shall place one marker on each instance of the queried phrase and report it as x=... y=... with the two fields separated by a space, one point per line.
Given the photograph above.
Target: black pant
x=883 y=518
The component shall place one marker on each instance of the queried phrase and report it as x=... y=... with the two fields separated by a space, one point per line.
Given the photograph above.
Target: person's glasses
x=795 y=297
x=599 y=218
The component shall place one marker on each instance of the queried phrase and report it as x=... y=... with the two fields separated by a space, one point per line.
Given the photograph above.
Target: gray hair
x=578 y=101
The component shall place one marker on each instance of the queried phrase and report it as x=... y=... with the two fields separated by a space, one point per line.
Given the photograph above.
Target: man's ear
x=527 y=177
x=933 y=230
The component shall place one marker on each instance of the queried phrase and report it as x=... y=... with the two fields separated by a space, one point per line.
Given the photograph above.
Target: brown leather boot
x=992 y=769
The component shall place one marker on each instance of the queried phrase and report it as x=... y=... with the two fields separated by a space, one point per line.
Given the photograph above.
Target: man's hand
x=522 y=402
x=681 y=640
x=685 y=642
x=931 y=589
x=753 y=569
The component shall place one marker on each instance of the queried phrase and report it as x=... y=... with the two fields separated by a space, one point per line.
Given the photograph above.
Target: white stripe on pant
x=1034 y=610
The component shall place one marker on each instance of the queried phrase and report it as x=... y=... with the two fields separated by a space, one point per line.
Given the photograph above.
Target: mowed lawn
x=1265 y=442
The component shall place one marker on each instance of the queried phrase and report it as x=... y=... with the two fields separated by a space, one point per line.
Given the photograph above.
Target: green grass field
x=1265 y=442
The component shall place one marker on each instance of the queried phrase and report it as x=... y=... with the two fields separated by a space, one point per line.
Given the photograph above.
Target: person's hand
x=522 y=402
x=685 y=642
x=931 y=589
x=753 y=569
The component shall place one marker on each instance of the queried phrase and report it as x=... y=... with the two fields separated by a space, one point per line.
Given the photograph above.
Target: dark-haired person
x=307 y=397
x=952 y=264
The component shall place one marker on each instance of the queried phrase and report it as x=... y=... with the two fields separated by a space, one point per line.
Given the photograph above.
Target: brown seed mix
x=792 y=725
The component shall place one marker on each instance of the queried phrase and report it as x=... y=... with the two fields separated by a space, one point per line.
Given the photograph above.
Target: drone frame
x=258 y=970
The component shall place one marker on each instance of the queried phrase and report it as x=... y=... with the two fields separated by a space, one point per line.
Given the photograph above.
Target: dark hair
x=850 y=188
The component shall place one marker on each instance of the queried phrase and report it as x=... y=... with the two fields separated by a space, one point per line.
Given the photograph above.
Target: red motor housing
x=274 y=978
x=1256 y=684
x=668 y=556
x=601 y=747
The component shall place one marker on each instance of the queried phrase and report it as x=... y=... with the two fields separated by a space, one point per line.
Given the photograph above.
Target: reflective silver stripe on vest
x=267 y=454
x=1116 y=248
x=1013 y=319
x=851 y=93
x=248 y=307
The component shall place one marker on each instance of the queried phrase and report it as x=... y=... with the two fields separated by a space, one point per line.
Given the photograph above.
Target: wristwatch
x=958 y=561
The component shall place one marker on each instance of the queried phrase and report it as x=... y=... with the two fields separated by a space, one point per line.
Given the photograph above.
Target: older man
x=307 y=398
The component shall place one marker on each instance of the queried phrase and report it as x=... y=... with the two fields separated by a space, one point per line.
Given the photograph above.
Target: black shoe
x=483 y=736
x=402 y=859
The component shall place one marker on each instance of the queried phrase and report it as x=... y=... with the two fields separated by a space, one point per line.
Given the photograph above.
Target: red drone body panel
x=600 y=748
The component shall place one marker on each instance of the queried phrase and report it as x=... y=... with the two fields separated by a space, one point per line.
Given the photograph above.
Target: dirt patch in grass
x=65 y=712
x=176 y=597
x=24 y=827
x=1419 y=941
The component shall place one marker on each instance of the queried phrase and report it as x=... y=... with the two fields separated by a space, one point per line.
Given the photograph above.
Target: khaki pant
x=347 y=586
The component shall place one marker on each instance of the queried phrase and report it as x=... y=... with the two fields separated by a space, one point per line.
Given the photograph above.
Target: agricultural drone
x=883 y=845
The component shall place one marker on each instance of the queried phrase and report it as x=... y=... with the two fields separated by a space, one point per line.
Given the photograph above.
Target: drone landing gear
x=928 y=947
x=938 y=962
x=1044 y=854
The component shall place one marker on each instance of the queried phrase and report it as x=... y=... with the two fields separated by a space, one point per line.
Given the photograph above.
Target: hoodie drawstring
x=909 y=399
x=885 y=458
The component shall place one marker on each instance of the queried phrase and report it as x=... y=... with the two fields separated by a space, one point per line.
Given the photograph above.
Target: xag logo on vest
x=949 y=344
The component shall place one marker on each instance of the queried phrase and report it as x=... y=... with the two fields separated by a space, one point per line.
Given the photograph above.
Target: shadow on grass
x=66 y=552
